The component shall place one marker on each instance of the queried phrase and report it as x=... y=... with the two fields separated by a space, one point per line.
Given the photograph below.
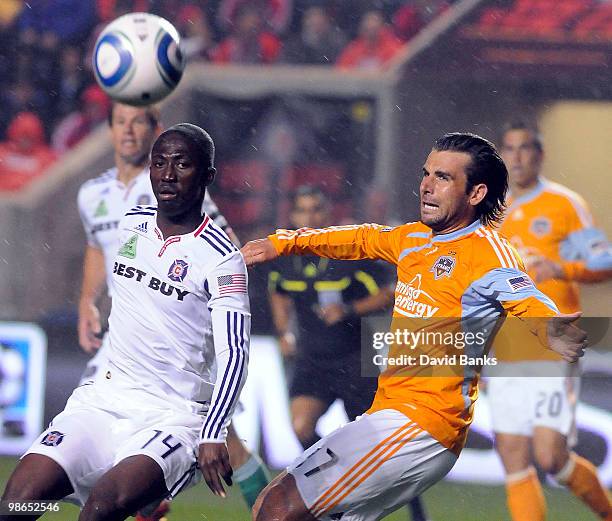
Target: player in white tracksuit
x=178 y=351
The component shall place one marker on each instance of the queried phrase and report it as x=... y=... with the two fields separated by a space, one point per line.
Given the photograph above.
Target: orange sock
x=525 y=497
x=580 y=476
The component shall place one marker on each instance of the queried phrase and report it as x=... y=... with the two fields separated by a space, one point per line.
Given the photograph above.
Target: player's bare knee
x=19 y=491
x=272 y=505
x=281 y=501
x=304 y=429
x=104 y=505
x=549 y=460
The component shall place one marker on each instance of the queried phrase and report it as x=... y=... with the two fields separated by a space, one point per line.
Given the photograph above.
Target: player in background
x=450 y=264
x=553 y=230
x=160 y=405
x=327 y=298
x=102 y=202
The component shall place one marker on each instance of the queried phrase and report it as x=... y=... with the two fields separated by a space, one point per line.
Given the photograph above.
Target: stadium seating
x=548 y=20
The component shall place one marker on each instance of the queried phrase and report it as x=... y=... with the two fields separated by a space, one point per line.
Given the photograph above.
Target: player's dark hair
x=309 y=191
x=486 y=167
x=204 y=144
x=520 y=124
x=152 y=112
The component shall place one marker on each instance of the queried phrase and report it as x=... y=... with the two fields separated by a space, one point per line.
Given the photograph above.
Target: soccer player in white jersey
x=160 y=406
x=102 y=203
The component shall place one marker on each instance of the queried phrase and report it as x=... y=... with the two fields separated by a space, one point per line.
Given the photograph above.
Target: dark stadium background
x=362 y=135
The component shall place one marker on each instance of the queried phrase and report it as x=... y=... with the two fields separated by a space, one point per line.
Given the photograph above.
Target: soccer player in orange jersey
x=450 y=265
x=532 y=410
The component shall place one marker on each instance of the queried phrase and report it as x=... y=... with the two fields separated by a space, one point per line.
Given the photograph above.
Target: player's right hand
x=565 y=337
x=214 y=463
x=89 y=328
x=258 y=251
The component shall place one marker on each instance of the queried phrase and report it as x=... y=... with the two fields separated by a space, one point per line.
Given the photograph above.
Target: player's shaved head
x=203 y=144
x=181 y=169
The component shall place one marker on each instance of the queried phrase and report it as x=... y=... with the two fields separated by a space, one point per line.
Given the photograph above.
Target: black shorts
x=328 y=381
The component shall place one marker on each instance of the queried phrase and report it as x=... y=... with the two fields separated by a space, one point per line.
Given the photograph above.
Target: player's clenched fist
x=565 y=337
x=214 y=464
x=258 y=251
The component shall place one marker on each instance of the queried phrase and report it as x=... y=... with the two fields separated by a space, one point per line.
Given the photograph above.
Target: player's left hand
x=545 y=269
x=565 y=337
x=215 y=464
x=332 y=313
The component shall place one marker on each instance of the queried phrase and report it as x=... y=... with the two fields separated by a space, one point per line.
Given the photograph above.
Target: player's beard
x=139 y=159
x=435 y=222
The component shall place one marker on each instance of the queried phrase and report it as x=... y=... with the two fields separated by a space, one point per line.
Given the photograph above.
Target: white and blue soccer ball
x=137 y=59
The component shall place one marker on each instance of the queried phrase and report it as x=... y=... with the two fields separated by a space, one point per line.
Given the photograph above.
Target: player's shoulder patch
x=519 y=282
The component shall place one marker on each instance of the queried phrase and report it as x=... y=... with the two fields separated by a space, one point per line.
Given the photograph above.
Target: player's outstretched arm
x=89 y=326
x=258 y=251
x=565 y=337
x=352 y=242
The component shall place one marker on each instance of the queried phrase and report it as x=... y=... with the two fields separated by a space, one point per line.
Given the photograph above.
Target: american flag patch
x=232 y=284
x=521 y=282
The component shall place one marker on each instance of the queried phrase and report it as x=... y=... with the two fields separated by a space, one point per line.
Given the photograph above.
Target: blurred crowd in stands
x=50 y=100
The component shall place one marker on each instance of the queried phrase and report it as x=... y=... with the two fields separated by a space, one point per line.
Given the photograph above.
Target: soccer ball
x=137 y=59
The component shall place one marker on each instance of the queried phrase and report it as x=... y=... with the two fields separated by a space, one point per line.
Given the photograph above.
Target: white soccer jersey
x=104 y=200
x=180 y=321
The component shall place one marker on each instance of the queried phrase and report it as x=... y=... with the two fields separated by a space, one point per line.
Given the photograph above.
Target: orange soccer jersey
x=470 y=273
x=553 y=222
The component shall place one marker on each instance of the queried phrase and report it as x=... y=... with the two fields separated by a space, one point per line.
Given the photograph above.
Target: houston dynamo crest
x=443 y=266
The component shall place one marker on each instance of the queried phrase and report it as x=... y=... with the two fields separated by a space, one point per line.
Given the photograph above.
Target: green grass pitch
x=445 y=501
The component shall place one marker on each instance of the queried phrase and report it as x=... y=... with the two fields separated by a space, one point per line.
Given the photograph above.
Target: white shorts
x=370 y=467
x=521 y=403
x=97 y=430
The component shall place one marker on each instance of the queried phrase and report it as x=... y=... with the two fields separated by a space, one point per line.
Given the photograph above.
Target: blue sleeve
x=590 y=246
x=501 y=285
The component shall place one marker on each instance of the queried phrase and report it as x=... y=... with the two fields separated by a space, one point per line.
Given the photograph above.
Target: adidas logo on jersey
x=142 y=227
